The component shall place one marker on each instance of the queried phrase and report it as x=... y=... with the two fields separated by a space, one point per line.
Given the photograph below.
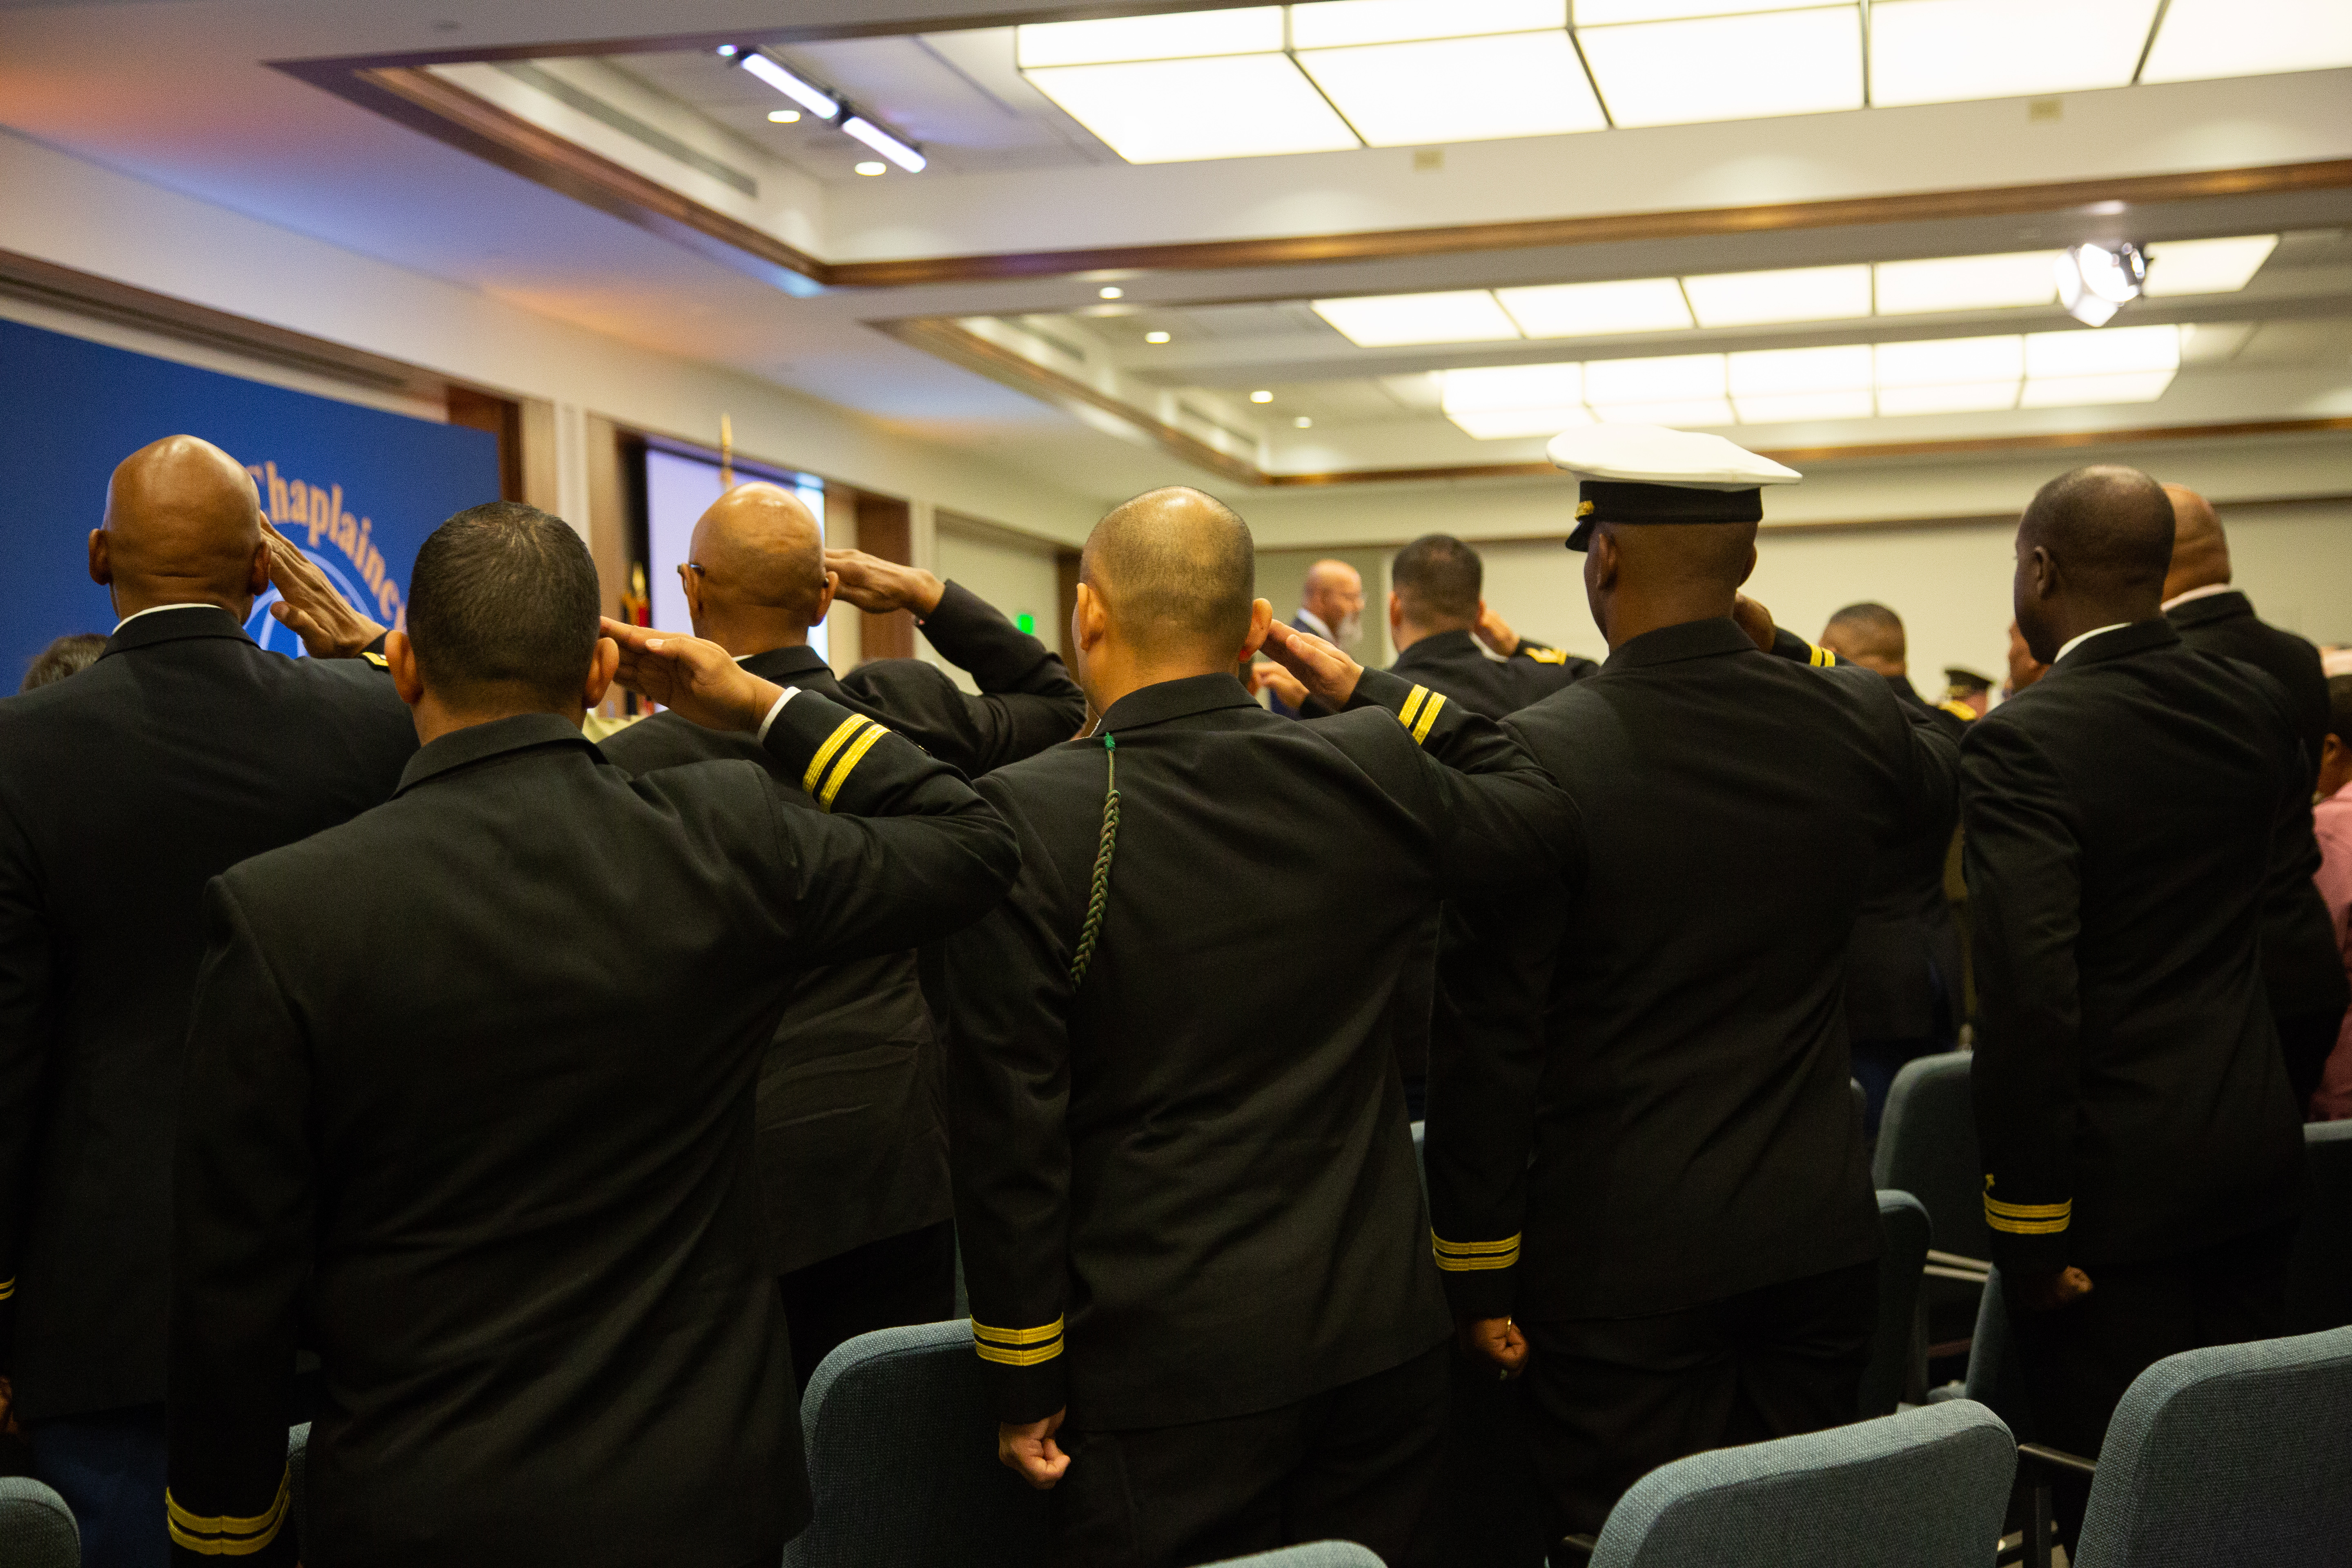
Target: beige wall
x=1010 y=571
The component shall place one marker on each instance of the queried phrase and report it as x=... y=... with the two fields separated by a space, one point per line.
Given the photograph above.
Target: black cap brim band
x=1609 y=500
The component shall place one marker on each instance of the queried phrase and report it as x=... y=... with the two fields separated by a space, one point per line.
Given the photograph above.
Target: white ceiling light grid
x=1510 y=386
x=2206 y=265
x=1183 y=111
x=1791 y=294
x=1339 y=24
x=1726 y=68
x=1393 y=320
x=1966 y=283
x=2204 y=38
x=1948 y=51
x=1458 y=89
x=1597 y=310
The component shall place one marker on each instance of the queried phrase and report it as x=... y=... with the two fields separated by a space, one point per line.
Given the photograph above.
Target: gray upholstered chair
x=1314 y=1554
x=1923 y=1489
x=902 y=1461
x=1927 y=1147
x=37 y=1528
x=2319 y=1278
x=298 y=1482
x=2232 y=1454
x=1906 y=1232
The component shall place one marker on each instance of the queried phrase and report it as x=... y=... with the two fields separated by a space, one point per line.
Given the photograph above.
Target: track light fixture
x=2095 y=281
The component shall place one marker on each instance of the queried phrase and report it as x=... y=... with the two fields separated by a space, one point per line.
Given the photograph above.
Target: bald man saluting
x=183 y=750
x=1199 y=1260
x=852 y=1150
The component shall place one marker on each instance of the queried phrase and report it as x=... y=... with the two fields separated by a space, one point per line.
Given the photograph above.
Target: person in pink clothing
x=2331 y=820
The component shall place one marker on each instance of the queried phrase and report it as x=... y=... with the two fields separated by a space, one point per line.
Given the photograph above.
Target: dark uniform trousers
x=851 y=1145
x=1641 y=1143
x=1185 y=1184
x=183 y=750
x=469 y=1098
x=2135 y=821
x=2302 y=966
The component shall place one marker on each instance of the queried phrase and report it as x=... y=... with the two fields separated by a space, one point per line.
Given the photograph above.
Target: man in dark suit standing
x=1646 y=1176
x=2300 y=965
x=470 y=1090
x=1903 y=982
x=2126 y=820
x=185 y=749
x=1437 y=618
x=1200 y=1276
x=852 y=1147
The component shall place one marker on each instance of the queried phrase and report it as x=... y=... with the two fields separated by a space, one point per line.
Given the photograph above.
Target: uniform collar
x=777 y=663
x=479 y=742
x=2199 y=605
x=1439 y=647
x=1175 y=699
x=1690 y=639
x=171 y=623
x=2119 y=642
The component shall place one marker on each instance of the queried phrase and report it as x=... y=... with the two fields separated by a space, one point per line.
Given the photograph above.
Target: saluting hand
x=1754 y=619
x=1265 y=674
x=308 y=606
x=1327 y=674
x=1495 y=632
x=1028 y=1449
x=1498 y=1339
x=880 y=586
x=696 y=678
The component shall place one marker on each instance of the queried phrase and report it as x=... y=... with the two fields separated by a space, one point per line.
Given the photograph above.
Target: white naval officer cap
x=1646 y=473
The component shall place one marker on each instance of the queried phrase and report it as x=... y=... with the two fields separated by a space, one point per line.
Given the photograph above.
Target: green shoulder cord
x=1100 y=896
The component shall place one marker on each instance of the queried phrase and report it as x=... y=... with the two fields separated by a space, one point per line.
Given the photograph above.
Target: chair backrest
x=2319 y=1278
x=1996 y=1381
x=1905 y=1233
x=902 y=1463
x=2230 y=1454
x=1923 y=1489
x=1314 y=1554
x=1927 y=1147
x=37 y=1528
x=298 y=1484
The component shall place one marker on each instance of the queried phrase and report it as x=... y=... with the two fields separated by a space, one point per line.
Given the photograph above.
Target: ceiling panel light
x=2123 y=350
x=1260 y=395
x=1110 y=292
x=1761 y=373
x=1727 y=67
x=1792 y=294
x=784 y=117
x=2248 y=37
x=1681 y=414
x=1253 y=30
x=1167 y=111
x=1459 y=89
x=1596 y=309
x=1966 y=283
x=1155 y=337
x=1302 y=423
x=1502 y=424
x=1510 y=386
x=1965 y=397
x=1669 y=379
x=870 y=167
x=2074 y=390
x=1943 y=51
x=882 y=142
x=1469 y=316
x=1789 y=407
x=1600 y=13
x=2206 y=265
x=1951 y=361
x=817 y=101
x=1335 y=23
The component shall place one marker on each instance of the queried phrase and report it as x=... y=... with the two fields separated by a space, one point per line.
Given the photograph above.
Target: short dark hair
x=69 y=655
x=2339 y=710
x=1439 y=578
x=2109 y=527
x=1873 y=628
x=505 y=596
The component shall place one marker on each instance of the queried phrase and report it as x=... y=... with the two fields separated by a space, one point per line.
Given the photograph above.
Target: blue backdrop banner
x=359 y=490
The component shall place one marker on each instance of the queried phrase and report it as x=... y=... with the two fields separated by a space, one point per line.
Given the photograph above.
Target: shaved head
x=1869 y=634
x=2201 y=551
x=2092 y=551
x=182 y=525
x=1177 y=572
x=1325 y=575
x=760 y=548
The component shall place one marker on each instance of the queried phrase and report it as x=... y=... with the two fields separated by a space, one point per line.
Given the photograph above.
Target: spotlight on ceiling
x=821 y=104
x=1110 y=292
x=1302 y=423
x=784 y=117
x=727 y=51
x=872 y=166
x=1155 y=337
x=1260 y=395
x=899 y=153
x=2094 y=282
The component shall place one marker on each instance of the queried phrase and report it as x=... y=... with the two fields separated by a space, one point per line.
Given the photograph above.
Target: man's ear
x=1600 y=559
x=602 y=667
x=691 y=580
x=2045 y=572
x=825 y=599
x=1261 y=621
x=1396 y=610
x=1089 y=622
x=1749 y=570
x=400 y=658
x=256 y=581
x=2331 y=750
x=101 y=559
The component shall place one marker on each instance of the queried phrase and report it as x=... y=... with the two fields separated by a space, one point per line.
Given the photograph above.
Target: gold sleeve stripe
x=1428 y=717
x=1004 y=1357
x=7 y=1289
x=849 y=760
x=2028 y=1219
x=1468 y=1257
x=223 y=1536
x=1822 y=657
x=981 y=1330
x=1508 y=1244
x=833 y=743
x=2026 y=1227
x=1411 y=706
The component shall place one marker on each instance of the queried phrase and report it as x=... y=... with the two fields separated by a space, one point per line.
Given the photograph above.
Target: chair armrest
x=1584 y=1545
x=2057 y=1458
x=1959 y=1261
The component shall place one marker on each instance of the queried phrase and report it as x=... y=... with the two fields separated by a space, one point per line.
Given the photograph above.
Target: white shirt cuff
x=790 y=692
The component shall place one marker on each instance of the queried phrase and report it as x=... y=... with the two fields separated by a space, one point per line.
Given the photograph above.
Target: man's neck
x=434 y=719
x=2188 y=596
x=1404 y=634
x=2076 y=620
x=1106 y=688
x=743 y=638
x=1632 y=617
x=130 y=602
